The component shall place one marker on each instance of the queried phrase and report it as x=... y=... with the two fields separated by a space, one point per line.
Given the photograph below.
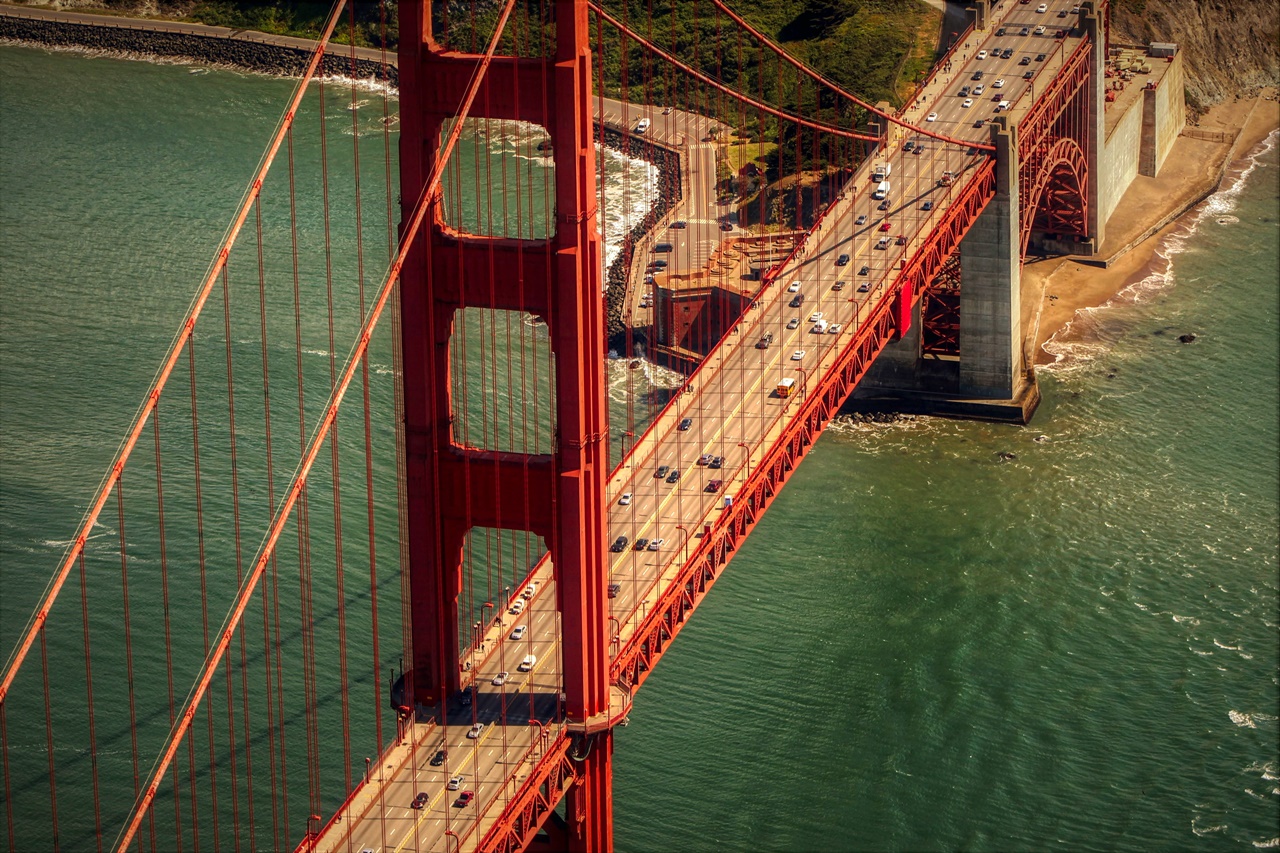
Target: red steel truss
x=888 y=320
x=940 y=311
x=525 y=815
x=1054 y=145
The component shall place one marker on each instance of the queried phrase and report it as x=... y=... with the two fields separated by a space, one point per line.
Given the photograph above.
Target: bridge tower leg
x=452 y=487
x=991 y=357
x=1096 y=30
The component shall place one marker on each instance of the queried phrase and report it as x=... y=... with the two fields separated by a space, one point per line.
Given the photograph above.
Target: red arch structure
x=1055 y=146
x=1059 y=195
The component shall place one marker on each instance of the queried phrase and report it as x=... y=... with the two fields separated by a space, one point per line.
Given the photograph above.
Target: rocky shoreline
x=133 y=37
x=265 y=54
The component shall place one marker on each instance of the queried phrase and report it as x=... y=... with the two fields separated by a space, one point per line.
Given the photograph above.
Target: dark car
x=977 y=75
x=1060 y=34
x=884 y=205
x=464 y=799
x=864 y=271
x=900 y=240
x=438 y=758
x=797 y=300
x=1062 y=13
x=979 y=123
x=679 y=223
x=964 y=92
x=1026 y=60
x=919 y=149
x=714 y=485
x=1000 y=31
x=928 y=205
x=685 y=423
x=764 y=341
x=419 y=801
x=614 y=589
x=1028 y=75
x=661 y=472
x=864 y=287
x=911 y=143
x=674 y=476
x=1008 y=53
x=1040 y=57
x=842 y=260
x=726 y=226
x=619 y=545
x=716 y=462
x=640 y=545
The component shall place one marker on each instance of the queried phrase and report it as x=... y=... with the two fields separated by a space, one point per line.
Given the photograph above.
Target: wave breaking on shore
x=1081 y=341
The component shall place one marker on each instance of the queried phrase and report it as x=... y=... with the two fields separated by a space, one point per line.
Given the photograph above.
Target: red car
x=464 y=799
x=419 y=801
x=885 y=226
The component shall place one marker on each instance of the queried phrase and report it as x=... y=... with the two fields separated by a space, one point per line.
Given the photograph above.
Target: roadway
x=733 y=411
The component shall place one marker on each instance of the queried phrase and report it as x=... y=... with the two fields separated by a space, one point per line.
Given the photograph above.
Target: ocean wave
x=1241 y=719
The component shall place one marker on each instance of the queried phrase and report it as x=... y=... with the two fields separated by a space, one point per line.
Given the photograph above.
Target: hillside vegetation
x=874 y=48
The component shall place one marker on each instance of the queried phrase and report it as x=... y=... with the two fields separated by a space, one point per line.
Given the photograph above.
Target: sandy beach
x=1054 y=289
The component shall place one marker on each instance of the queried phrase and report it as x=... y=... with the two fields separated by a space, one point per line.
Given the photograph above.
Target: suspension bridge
x=433 y=652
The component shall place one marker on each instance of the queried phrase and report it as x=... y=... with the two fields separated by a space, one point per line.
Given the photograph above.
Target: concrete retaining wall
x=1120 y=159
x=1163 y=117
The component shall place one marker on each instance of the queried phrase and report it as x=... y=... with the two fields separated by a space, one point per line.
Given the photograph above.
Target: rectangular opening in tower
x=502 y=378
x=501 y=180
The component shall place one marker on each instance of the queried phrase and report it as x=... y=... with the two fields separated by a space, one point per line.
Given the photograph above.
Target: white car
x=625 y=500
x=517 y=607
x=1042 y=8
x=500 y=679
x=968 y=102
x=999 y=84
x=642 y=125
x=931 y=117
x=820 y=327
x=793 y=323
x=794 y=287
x=982 y=54
x=834 y=329
x=456 y=782
x=797 y=355
x=529 y=590
x=529 y=662
x=1039 y=30
x=815 y=316
x=655 y=544
x=475 y=731
x=978 y=90
x=517 y=633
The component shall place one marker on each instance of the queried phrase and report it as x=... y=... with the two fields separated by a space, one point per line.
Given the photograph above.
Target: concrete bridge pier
x=989 y=380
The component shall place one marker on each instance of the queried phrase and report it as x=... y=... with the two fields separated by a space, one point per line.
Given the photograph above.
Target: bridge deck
x=734 y=413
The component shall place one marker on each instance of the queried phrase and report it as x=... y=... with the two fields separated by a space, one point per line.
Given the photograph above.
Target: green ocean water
x=923 y=646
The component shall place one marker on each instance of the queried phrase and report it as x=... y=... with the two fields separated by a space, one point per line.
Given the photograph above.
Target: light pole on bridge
x=684 y=533
x=747 y=448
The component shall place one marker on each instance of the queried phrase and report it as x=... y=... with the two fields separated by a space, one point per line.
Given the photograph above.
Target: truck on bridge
x=880 y=172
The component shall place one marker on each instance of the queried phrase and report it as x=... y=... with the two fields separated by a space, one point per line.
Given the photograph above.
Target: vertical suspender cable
x=235 y=514
x=48 y=733
x=168 y=632
x=204 y=589
x=275 y=737
x=93 y=739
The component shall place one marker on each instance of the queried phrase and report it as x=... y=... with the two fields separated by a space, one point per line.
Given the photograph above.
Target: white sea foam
x=1268 y=844
x=1243 y=720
